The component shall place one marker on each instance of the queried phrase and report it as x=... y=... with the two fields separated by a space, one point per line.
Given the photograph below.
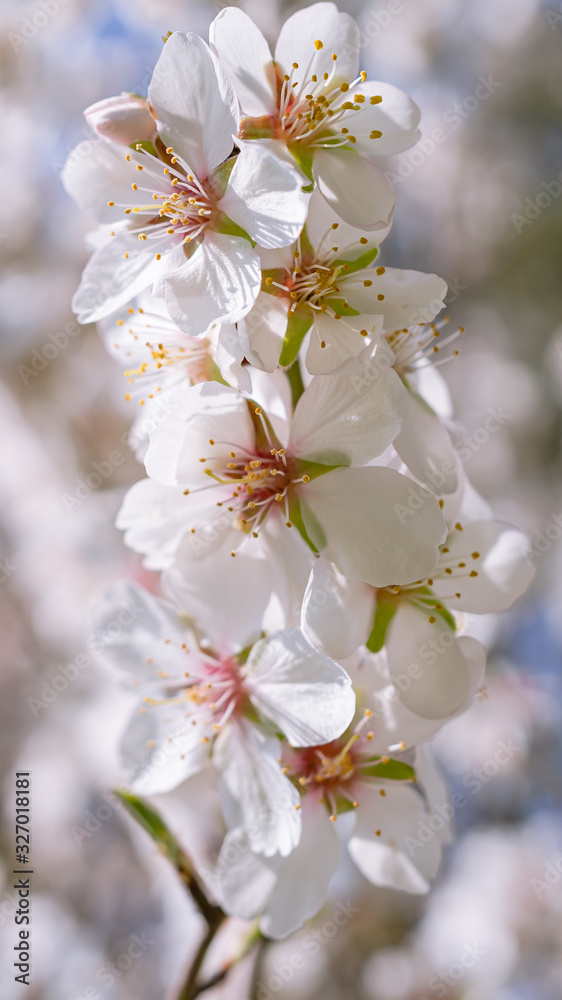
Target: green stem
x=294 y=375
x=253 y=939
x=190 y=990
x=258 y=968
x=152 y=822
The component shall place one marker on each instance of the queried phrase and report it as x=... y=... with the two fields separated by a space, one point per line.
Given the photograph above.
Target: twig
x=251 y=941
x=258 y=967
x=190 y=989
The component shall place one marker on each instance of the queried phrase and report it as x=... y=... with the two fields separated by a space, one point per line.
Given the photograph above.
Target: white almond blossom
x=221 y=477
x=359 y=792
x=156 y=355
x=181 y=214
x=483 y=568
x=323 y=285
x=227 y=695
x=355 y=794
x=310 y=101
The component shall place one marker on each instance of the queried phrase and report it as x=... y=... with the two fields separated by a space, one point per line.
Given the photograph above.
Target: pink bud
x=124 y=119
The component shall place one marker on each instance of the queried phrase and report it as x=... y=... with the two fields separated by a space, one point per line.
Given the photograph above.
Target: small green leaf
x=221 y=176
x=315 y=469
x=264 y=442
x=225 y=225
x=307 y=250
x=277 y=274
x=298 y=325
x=434 y=606
x=145 y=144
x=314 y=529
x=294 y=374
x=295 y=517
x=392 y=770
x=341 y=307
x=153 y=823
x=359 y=263
x=342 y=804
x=304 y=158
x=384 y=614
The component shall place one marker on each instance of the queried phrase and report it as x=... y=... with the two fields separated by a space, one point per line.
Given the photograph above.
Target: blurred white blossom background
x=479 y=201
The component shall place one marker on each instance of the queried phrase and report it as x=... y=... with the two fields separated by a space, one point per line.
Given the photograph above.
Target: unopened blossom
x=222 y=477
x=323 y=285
x=125 y=119
x=181 y=213
x=228 y=696
x=355 y=794
x=311 y=102
x=483 y=568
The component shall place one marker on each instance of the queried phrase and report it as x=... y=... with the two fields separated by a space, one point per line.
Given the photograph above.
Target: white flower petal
x=110 y=280
x=154 y=520
x=130 y=627
x=338 y=33
x=196 y=416
x=426 y=448
x=246 y=57
x=320 y=224
x=305 y=693
x=395 y=723
x=391 y=859
x=354 y=188
x=256 y=794
x=97 y=172
x=265 y=327
x=436 y=791
x=426 y=663
x=124 y=119
x=265 y=197
x=245 y=879
x=397 y=117
x=219 y=283
x=194 y=103
x=175 y=757
x=504 y=567
x=230 y=351
x=226 y=598
x=303 y=877
x=342 y=341
x=337 y=613
x=376 y=525
x=348 y=419
x=410 y=297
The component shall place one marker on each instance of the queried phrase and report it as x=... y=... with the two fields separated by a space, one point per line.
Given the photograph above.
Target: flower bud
x=124 y=119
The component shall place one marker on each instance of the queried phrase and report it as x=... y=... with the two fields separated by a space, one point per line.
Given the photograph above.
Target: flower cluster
x=322 y=553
